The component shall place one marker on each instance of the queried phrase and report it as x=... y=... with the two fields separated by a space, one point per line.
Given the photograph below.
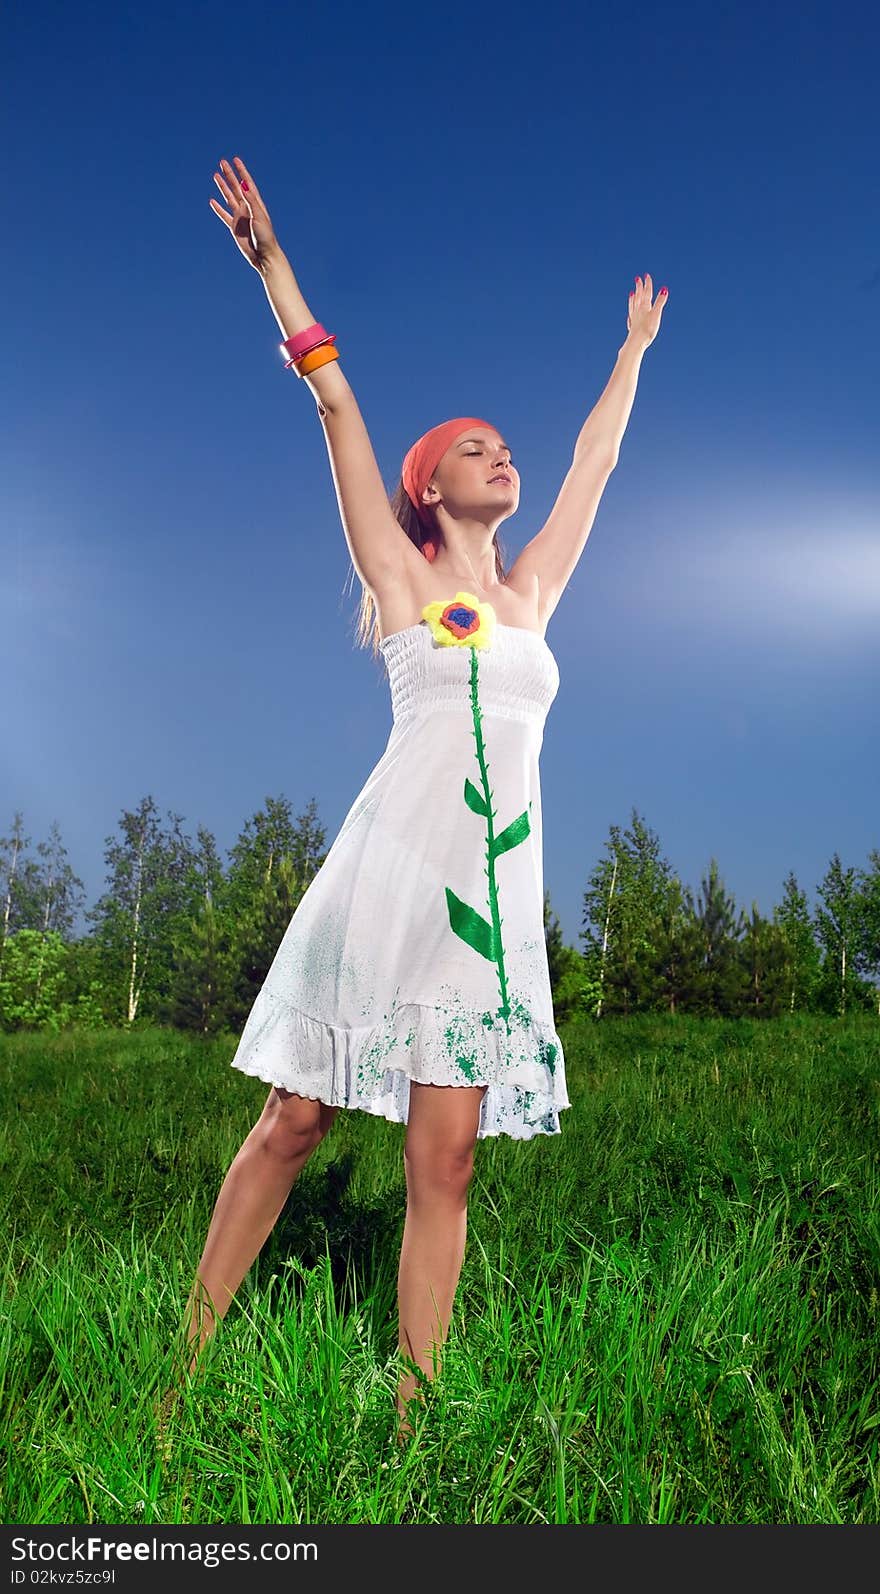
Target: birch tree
x=150 y=881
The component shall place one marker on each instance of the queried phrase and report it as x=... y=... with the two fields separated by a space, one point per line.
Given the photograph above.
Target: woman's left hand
x=643 y=320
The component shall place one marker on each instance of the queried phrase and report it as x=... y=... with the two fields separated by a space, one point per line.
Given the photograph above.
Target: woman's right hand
x=249 y=221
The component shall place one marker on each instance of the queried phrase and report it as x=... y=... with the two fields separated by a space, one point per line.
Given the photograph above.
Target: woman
x=412 y=981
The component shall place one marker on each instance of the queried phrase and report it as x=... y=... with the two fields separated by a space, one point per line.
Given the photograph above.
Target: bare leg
x=438 y=1158
x=250 y=1201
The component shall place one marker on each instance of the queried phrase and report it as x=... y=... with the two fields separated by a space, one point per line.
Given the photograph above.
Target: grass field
x=668 y=1313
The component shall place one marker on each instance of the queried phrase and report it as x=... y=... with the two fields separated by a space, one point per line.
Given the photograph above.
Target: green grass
x=667 y=1314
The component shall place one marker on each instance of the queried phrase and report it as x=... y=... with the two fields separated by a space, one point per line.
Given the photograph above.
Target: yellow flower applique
x=463 y=623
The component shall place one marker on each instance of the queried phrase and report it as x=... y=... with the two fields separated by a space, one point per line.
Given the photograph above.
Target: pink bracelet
x=301 y=343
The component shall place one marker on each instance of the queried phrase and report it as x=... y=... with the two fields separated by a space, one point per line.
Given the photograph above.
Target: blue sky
x=466 y=197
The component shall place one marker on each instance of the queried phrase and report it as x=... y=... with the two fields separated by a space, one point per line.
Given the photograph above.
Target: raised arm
x=381 y=552
x=553 y=553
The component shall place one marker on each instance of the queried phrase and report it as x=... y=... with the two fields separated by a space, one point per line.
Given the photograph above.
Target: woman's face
x=477 y=473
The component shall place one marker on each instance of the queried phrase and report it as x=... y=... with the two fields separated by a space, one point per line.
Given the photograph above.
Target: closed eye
x=479 y=451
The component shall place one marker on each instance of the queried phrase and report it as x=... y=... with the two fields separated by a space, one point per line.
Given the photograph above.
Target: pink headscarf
x=422 y=461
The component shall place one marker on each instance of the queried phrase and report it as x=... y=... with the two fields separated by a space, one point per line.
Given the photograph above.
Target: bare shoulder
x=397 y=594
x=524 y=586
x=400 y=599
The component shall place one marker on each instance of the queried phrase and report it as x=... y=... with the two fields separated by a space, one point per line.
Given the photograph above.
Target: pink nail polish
x=244 y=184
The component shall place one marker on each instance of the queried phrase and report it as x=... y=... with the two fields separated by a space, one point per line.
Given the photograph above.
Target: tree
x=10 y=848
x=36 y=991
x=678 y=952
x=801 y=959
x=258 y=935
x=272 y=864
x=840 y=926
x=553 y=941
x=151 y=880
x=869 y=921
x=204 y=971
x=720 y=985
x=569 y=986
x=763 y=962
x=268 y=836
x=623 y=904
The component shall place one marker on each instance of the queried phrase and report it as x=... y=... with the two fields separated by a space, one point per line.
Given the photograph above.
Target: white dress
x=417 y=951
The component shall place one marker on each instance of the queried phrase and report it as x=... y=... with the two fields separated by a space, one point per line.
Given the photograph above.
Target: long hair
x=404 y=513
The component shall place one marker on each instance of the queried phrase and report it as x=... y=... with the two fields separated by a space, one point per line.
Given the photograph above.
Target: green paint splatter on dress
x=371 y=1065
x=458 y=1036
x=464 y=1037
x=549 y=1053
x=326 y=961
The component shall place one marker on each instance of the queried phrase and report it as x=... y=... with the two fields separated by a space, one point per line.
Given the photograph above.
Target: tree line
x=178 y=939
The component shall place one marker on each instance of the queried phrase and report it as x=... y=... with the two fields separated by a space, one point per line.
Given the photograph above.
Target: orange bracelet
x=316 y=358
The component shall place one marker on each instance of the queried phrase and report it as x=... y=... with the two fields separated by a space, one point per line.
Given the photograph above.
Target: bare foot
x=167 y=1407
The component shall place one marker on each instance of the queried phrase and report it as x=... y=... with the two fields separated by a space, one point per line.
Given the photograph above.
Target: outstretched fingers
x=245 y=181
x=643 y=289
x=238 y=189
x=232 y=177
x=230 y=198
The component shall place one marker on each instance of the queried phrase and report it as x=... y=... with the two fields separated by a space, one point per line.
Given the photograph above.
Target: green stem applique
x=484 y=935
